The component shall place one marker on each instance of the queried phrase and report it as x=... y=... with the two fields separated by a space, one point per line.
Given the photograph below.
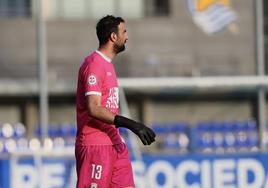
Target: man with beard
x=101 y=156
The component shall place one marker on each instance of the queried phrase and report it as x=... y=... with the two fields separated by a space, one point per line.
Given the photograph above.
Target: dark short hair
x=106 y=26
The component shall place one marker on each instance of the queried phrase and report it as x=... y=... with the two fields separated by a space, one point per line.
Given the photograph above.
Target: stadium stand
x=173 y=138
x=13 y=138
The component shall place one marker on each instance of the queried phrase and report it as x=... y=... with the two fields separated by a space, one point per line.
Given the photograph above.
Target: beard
x=119 y=48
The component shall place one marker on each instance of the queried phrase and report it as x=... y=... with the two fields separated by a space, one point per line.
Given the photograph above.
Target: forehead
x=122 y=26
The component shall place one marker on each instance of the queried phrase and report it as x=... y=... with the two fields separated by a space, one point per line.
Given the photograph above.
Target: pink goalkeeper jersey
x=96 y=77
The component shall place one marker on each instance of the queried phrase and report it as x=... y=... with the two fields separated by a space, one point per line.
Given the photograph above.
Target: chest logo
x=109 y=74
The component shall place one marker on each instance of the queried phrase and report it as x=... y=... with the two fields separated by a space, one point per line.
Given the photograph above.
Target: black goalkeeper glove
x=146 y=134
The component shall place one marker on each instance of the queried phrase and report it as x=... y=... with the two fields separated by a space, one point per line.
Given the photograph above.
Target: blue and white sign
x=202 y=172
x=161 y=171
x=53 y=173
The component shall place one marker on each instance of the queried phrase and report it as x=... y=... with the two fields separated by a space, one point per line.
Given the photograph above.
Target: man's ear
x=113 y=37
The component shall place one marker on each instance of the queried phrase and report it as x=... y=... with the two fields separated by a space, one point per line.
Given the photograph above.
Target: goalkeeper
x=101 y=156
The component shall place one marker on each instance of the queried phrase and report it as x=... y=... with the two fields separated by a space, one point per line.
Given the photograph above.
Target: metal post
x=42 y=69
x=261 y=72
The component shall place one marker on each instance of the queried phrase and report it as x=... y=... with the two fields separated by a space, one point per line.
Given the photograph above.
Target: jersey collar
x=104 y=56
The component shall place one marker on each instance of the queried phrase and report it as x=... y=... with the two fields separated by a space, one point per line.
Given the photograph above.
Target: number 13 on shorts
x=96 y=171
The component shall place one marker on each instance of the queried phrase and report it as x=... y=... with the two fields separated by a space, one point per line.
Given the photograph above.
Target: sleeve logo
x=92 y=80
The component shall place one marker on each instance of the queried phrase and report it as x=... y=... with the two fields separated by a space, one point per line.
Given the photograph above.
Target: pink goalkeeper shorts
x=103 y=166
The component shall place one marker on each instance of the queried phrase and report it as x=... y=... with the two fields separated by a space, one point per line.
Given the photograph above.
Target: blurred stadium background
x=194 y=70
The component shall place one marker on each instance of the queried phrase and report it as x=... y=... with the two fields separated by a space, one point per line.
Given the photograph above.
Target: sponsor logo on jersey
x=113 y=99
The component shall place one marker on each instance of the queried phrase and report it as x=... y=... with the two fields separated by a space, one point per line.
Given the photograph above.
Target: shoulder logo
x=92 y=80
